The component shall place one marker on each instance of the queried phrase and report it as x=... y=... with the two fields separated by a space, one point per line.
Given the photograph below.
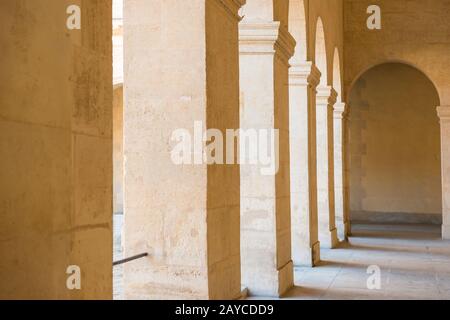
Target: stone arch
x=320 y=52
x=391 y=121
x=387 y=61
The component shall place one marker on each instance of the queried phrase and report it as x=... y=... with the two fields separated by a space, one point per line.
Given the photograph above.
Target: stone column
x=444 y=116
x=326 y=98
x=346 y=175
x=55 y=150
x=181 y=74
x=342 y=223
x=303 y=80
x=267 y=268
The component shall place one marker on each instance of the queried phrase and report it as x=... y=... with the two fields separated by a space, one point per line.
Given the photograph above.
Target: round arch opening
x=394 y=169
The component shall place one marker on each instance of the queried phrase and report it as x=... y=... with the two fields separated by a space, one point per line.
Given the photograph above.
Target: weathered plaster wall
x=394 y=143
x=413 y=31
x=55 y=147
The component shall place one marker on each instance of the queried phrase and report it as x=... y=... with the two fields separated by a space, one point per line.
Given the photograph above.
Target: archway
x=394 y=147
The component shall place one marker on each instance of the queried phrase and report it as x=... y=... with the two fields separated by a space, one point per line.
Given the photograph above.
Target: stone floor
x=413 y=260
x=414 y=264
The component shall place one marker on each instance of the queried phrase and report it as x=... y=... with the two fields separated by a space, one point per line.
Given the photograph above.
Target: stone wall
x=55 y=149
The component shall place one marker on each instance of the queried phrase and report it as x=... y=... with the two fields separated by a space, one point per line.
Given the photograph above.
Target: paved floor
x=413 y=260
x=414 y=263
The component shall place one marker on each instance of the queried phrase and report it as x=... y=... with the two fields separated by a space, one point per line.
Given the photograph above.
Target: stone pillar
x=181 y=70
x=267 y=268
x=326 y=98
x=303 y=80
x=346 y=161
x=342 y=223
x=444 y=116
x=55 y=150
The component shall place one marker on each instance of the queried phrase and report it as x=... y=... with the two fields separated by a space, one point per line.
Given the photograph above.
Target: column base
x=334 y=239
x=341 y=231
x=316 y=254
x=274 y=283
x=445 y=232
x=244 y=294
x=309 y=257
x=330 y=240
x=348 y=230
x=286 y=278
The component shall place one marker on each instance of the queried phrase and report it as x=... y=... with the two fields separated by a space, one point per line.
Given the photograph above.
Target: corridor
x=414 y=263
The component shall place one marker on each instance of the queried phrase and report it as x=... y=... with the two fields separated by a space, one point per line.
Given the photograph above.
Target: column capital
x=303 y=74
x=232 y=7
x=443 y=113
x=266 y=38
x=326 y=95
x=339 y=110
